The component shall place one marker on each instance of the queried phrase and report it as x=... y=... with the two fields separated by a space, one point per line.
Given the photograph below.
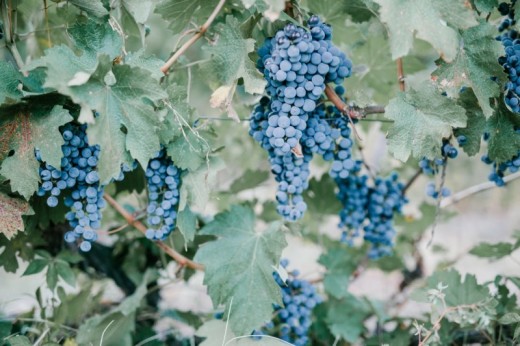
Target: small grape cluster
x=164 y=180
x=510 y=62
x=291 y=322
x=371 y=208
x=432 y=167
x=77 y=173
x=500 y=170
x=290 y=124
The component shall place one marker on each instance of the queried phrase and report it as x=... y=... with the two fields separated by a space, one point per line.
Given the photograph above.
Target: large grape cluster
x=291 y=123
x=510 y=61
x=77 y=173
x=291 y=322
x=163 y=194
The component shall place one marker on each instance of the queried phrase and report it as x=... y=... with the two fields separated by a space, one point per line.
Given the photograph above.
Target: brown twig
x=412 y=180
x=180 y=259
x=202 y=30
x=400 y=74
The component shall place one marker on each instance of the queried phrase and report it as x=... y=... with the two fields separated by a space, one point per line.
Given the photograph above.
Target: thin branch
x=439 y=200
x=183 y=261
x=412 y=180
x=470 y=191
x=202 y=30
x=400 y=74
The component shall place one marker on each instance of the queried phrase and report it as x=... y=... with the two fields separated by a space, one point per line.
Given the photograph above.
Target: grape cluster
x=510 y=62
x=291 y=123
x=370 y=207
x=163 y=179
x=77 y=173
x=384 y=199
x=291 y=322
x=432 y=167
x=500 y=170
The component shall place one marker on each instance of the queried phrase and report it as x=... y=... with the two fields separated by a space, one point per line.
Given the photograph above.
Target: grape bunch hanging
x=292 y=124
x=77 y=182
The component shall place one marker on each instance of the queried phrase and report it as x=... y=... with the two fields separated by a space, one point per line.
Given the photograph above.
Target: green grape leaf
x=109 y=329
x=239 y=267
x=340 y=264
x=19 y=340
x=475 y=63
x=493 y=251
x=36 y=266
x=95 y=38
x=346 y=317
x=230 y=60
x=63 y=68
x=20 y=247
x=140 y=10
x=24 y=131
x=476 y=124
x=426 y=20
x=11 y=80
x=216 y=332
x=361 y=10
x=187 y=224
x=92 y=7
x=11 y=211
x=189 y=151
x=504 y=141
x=178 y=13
x=250 y=179
x=196 y=186
x=177 y=118
x=510 y=318
x=485 y=5
x=148 y=62
x=457 y=292
x=422 y=118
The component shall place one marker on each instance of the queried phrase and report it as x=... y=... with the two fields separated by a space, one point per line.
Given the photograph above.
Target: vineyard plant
x=259 y=172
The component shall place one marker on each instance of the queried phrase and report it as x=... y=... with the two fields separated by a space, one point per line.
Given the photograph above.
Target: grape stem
x=202 y=30
x=183 y=261
x=352 y=111
x=412 y=180
x=400 y=74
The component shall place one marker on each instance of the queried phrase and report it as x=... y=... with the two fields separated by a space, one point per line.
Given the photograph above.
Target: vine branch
x=400 y=74
x=412 y=180
x=202 y=30
x=353 y=112
x=470 y=191
x=183 y=261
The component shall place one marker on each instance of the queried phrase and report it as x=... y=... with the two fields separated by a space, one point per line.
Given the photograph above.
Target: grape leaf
x=148 y=62
x=179 y=112
x=250 y=179
x=504 y=141
x=239 y=267
x=11 y=211
x=486 y=5
x=331 y=10
x=230 y=60
x=187 y=224
x=140 y=10
x=493 y=251
x=189 y=151
x=458 y=292
x=178 y=13
x=92 y=7
x=196 y=186
x=95 y=38
x=11 y=79
x=340 y=264
x=21 y=247
x=475 y=63
x=476 y=124
x=422 y=118
x=216 y=332
x=320 y=196
x=426 y=19
x=24 y=131
x=346 y=316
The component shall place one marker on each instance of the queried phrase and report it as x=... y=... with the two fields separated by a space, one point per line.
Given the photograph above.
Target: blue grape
x=500 y=170
x=432 y=167
x=165 y=178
